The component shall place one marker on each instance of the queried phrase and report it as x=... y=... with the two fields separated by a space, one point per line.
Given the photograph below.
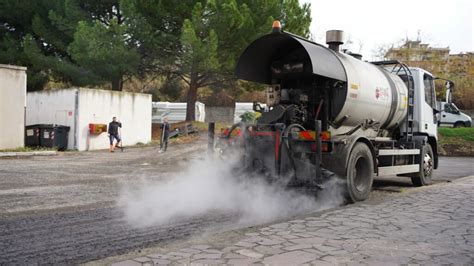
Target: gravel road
x=63 y=209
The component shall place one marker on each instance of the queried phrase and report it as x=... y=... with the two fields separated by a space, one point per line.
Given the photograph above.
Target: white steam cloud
x=211 y=185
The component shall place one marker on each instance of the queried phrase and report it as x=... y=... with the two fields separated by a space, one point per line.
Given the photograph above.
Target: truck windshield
x=455 y=108
x=451 y=108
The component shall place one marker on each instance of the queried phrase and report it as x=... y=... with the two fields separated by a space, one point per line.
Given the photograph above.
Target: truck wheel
x=360 y=173
x=459 y=124
x=426 y=168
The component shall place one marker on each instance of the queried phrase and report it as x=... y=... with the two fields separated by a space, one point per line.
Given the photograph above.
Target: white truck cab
x=426 y=121
x=451 y=116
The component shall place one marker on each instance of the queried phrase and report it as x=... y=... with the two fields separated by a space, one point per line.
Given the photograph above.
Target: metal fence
x=176 y=112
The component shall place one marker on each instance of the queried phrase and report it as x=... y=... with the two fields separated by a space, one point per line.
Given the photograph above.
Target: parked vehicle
x=451 y=116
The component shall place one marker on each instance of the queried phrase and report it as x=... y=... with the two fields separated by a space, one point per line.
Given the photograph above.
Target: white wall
x=93 y=106
x=99 y=106
x=12 y=106
x=53 y=107
x=242 y=107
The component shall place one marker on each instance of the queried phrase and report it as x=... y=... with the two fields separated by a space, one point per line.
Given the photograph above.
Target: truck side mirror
x=449 y=85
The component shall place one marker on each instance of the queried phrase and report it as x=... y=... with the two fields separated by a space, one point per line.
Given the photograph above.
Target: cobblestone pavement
x=433 y=225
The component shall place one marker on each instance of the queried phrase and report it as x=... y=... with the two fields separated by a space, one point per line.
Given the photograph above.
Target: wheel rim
x=360 y=174
x=427 y=165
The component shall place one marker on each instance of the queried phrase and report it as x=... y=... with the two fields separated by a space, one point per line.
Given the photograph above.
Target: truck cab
x=451 y=116
x=425 y=108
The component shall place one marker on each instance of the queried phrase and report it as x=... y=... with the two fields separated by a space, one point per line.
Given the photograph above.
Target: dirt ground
x=63 y=209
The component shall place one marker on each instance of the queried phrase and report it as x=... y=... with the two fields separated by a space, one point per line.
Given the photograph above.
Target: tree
x=155 y=27
x=18 y=22
x=199 y=54
x=105 y=51
x=93 y=42
x=218 y=31
x=40 y=33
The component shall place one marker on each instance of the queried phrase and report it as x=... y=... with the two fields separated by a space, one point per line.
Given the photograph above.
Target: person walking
x=114 y=133
x=165 y=133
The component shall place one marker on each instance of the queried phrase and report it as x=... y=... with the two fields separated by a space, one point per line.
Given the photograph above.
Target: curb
x=30 y=153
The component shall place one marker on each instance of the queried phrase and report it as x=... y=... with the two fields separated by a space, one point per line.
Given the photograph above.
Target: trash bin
x=46 y=135
x=32 y=135
x=61 y=137
x=54 y=136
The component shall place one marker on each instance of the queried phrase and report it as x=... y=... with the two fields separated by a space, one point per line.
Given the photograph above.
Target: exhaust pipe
x=334 y=38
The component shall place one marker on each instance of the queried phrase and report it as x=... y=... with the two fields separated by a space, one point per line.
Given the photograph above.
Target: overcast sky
x=371 y=23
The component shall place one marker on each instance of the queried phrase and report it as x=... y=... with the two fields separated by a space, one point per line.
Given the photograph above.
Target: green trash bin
x=54 y=136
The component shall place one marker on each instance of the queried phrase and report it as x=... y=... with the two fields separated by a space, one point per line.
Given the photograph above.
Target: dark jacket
x=113 y=127
x=166 y=127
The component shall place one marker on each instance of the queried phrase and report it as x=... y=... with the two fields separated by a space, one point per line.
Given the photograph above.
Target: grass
x=457 y=134
x=202 y=127
x=456 y=141
x=28 y=149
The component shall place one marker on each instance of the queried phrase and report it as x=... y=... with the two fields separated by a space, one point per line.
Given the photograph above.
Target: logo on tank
x=381 y=93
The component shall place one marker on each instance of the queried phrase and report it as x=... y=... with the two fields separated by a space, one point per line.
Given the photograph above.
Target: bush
x=249 y=117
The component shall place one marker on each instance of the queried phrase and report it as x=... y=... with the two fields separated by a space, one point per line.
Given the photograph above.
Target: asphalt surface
x=63 y=209
x=77 y=237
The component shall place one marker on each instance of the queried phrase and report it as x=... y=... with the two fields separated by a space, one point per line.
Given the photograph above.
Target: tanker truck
x=329 y=111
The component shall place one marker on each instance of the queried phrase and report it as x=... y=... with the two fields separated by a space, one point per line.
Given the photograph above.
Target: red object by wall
x=96 y=129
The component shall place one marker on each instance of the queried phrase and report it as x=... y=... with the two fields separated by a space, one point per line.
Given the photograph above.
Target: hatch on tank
x=299 y=71
x=284 y=53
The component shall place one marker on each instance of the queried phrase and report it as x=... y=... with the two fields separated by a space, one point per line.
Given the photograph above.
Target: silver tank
x=372 y=94
x=369 y=94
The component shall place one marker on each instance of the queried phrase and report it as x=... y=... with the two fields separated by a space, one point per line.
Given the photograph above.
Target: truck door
x=429 y=119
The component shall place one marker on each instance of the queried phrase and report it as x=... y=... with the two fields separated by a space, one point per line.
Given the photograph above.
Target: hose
x=284 y=136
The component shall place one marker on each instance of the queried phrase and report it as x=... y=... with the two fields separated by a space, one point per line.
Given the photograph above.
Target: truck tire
x=423 y=178
x=360 y=173
x=459 y=124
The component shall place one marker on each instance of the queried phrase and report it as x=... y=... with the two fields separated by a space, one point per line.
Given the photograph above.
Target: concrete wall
x=99 y=106
x=77 y=108
x=219 y=114
x=12 y=106
x=53 y=107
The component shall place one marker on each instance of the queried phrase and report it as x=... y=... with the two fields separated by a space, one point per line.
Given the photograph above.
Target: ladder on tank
x=410 y=110
x=405 y=74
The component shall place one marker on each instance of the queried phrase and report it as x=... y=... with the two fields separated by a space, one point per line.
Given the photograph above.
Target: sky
x=371 y=24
